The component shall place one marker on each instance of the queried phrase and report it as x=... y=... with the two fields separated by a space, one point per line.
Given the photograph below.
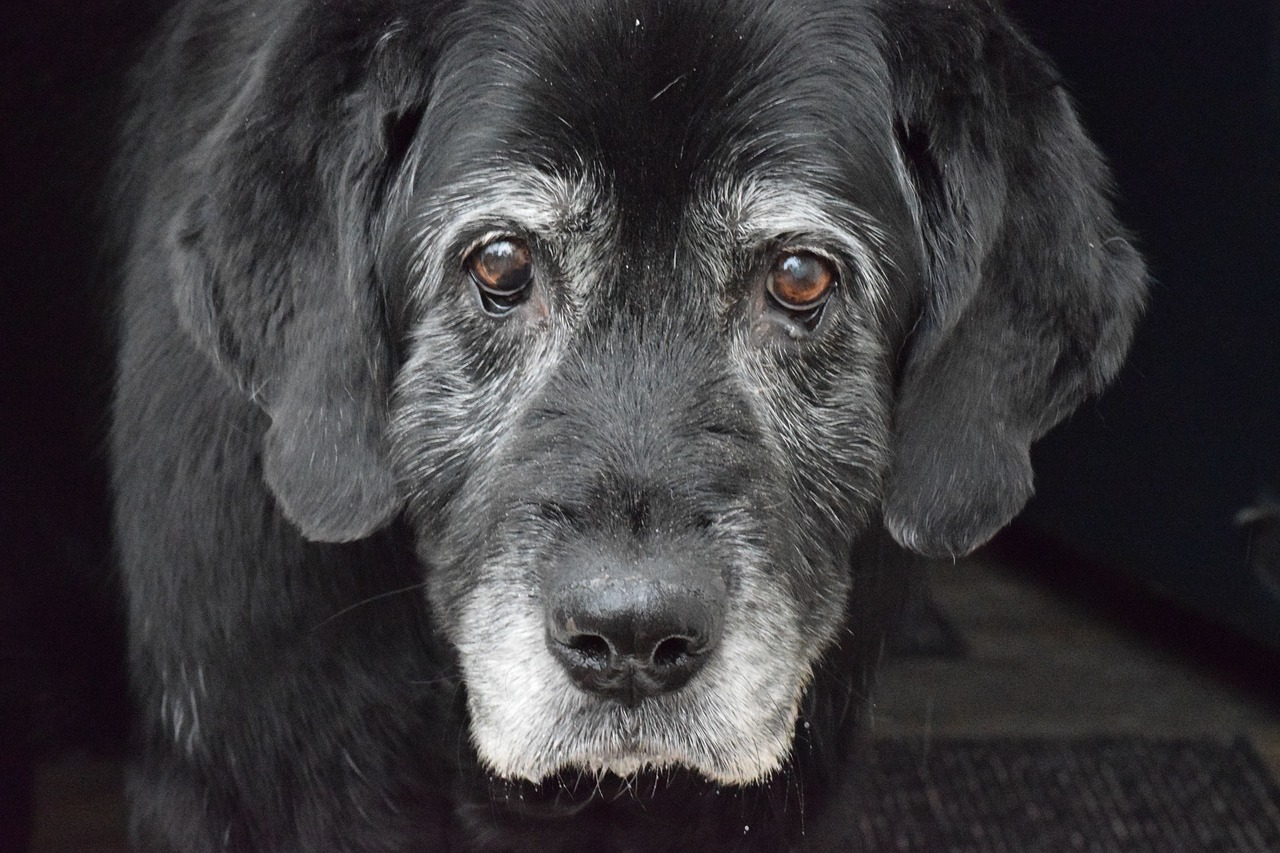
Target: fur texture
x=349 y=489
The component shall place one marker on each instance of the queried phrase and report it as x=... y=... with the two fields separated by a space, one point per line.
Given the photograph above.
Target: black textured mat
x=1128 y=795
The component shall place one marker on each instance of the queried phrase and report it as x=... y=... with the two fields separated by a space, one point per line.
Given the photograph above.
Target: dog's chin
x=624 y=761
x=593 y=738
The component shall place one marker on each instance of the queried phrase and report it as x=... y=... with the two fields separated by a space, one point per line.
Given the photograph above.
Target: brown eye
x=800 y=282
x=502 y=270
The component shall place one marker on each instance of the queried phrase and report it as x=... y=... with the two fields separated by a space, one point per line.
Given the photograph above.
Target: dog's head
x=643 y=312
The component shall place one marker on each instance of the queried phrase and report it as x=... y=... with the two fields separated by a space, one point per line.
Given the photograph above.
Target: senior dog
x=514 y=397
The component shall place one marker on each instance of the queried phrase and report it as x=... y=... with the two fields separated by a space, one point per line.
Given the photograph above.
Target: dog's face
x=651 y=358
x=644 y=313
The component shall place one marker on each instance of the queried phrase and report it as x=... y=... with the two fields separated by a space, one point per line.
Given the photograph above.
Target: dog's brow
x=540 y=200
x=534 y=200
x=757 y=206
x=760 y=210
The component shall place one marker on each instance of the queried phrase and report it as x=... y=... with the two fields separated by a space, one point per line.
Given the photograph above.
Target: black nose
x=630 y=638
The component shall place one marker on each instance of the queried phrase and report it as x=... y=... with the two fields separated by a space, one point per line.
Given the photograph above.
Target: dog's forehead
x=657 y=95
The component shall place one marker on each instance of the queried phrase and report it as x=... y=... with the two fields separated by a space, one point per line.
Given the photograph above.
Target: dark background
x=1138 y=494
x=61 y=638
x=1184 y=98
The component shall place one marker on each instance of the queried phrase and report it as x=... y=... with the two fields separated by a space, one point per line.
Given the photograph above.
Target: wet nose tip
x=632 y=640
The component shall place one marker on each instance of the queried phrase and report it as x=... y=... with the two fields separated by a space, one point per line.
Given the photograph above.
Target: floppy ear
x=273 y=256
x=1032 y=287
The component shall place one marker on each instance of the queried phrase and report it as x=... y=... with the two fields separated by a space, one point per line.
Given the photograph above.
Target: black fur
x=315 y=424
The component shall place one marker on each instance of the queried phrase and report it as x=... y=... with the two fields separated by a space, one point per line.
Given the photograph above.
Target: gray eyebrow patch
x=547 y=203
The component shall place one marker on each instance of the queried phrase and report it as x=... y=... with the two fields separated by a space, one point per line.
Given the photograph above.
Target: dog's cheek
x=453 y=403
x=438 y=422
x=458 y=400
x=826 y=420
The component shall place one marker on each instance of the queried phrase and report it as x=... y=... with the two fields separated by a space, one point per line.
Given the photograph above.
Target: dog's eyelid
x=480 y=238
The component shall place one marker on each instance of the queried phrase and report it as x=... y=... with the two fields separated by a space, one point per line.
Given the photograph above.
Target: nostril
x=591 y=650
x=673 y=651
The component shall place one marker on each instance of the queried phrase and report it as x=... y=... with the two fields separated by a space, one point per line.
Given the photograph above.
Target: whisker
x=371 y=599
x=429 y=682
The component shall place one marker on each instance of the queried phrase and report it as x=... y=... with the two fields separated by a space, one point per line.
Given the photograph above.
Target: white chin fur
x=733 y=723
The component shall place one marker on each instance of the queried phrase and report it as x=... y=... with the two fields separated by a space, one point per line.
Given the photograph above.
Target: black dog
x=511 y=394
